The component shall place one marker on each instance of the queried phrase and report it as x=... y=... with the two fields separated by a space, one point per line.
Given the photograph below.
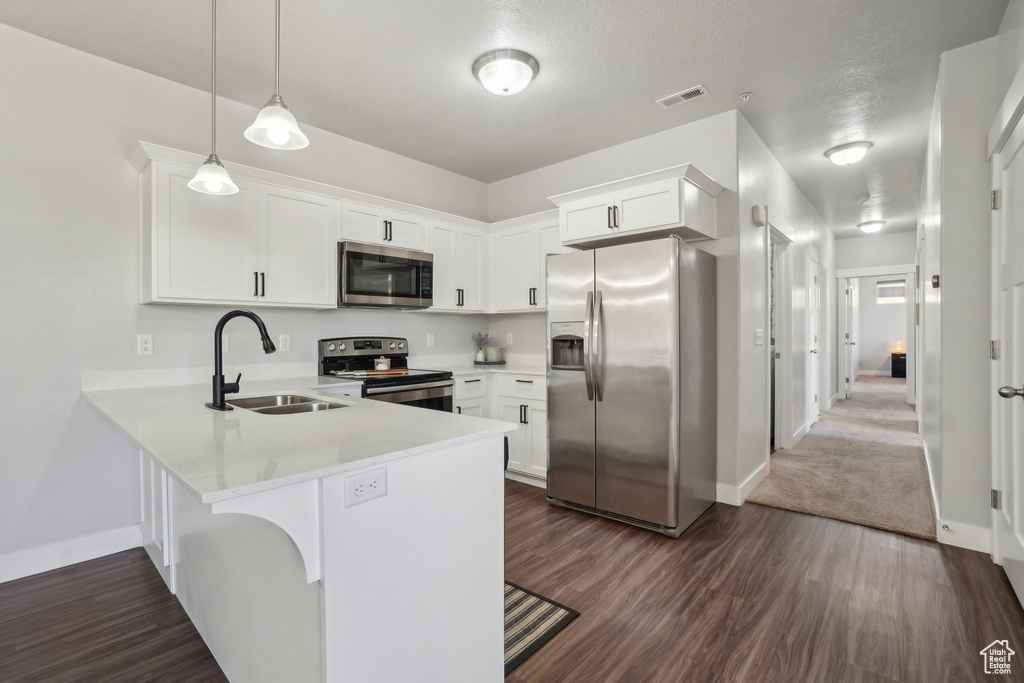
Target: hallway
x=862 y=462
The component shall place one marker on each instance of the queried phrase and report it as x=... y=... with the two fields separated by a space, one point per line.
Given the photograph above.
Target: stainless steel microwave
x=371 y=276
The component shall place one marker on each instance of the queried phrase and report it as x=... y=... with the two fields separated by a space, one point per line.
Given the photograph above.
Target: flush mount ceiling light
x=212 y=177
x=849 y=153
x=275 y=127
x=505 y=72
x=871 y=226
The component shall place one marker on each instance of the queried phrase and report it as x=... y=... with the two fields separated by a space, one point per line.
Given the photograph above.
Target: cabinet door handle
x=462 y=300
x=610 y=226
x=615 y=212
x=470 y=381
x=458 y=409
x=526 y=415
x=524 y=381
x=263 y=284
x=522 y=414
x=255 y=283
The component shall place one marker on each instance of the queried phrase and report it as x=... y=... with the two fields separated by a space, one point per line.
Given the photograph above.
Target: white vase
x=480 y=355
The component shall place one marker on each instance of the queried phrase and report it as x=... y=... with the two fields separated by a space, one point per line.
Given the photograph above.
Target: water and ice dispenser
x=567 y=346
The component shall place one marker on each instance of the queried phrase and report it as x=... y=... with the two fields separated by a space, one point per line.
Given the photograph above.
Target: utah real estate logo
x=997 y=657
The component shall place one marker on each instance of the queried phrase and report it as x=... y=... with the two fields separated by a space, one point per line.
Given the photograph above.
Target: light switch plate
x=758 y=337
x=508 y=338
x=430 y=341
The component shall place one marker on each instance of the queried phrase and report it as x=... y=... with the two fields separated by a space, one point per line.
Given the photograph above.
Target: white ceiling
x=397 y=75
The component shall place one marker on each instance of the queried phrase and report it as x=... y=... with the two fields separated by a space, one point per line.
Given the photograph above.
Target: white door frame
x=812 y=333
x=824 y=347
x=777 y=230
x=907 y=270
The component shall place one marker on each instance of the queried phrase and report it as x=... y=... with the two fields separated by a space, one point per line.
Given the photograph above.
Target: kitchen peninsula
x=359 y=542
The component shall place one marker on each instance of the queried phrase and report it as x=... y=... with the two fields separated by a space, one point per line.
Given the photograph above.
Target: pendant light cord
x=277 y=49
x=213 y=81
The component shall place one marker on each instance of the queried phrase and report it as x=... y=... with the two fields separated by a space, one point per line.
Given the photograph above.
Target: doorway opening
x=779 y=324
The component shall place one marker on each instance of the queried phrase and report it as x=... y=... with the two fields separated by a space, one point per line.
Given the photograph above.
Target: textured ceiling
x=397 y=75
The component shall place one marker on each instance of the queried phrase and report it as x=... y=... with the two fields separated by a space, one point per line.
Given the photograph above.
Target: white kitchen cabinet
x=675 y=201
x=199 y=247
x=264 y=246
x=519 y=256
x=527 y=445
x=155 y=518
x=459 y=280
x=298 y=247
x=474 y=406
x=374 y=225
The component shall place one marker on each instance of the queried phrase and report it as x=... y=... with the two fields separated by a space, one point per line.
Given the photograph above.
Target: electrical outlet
x=430 y=341
x=284 y=342
x=225 y=343
x=145 y=345
x=365 y=486
x=508 y=338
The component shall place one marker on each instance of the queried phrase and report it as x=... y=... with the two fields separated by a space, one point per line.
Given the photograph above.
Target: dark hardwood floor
x=110 y=619
x=746 y=594
x=755 y=594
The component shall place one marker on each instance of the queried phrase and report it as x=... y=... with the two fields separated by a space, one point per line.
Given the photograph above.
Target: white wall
x=955 y=220
x=70 y=272
x=898 y=248
x=529 y=336
x=762 y=180
x=879 y=325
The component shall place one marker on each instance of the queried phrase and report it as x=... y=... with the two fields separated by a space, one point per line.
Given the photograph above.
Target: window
x=891 y=292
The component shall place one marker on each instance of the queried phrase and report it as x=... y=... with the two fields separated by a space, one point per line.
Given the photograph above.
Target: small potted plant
x=480 y=340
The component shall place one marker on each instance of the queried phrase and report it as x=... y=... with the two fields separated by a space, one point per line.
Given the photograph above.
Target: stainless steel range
x=356 y=358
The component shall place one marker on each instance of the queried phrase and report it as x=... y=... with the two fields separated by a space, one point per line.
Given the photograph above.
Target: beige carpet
x=862 y=462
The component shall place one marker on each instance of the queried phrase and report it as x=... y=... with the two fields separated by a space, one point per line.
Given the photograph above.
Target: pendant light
x=275 y=127
x=212 y=177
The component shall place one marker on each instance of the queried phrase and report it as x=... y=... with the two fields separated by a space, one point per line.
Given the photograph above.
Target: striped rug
x=530 y=622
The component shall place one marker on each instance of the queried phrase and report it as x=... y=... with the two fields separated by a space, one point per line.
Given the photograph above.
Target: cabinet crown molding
x=682 y=172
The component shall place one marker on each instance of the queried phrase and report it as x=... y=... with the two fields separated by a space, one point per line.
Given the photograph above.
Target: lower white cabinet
x=156 y=518
x=474 y=406
x=528 y=445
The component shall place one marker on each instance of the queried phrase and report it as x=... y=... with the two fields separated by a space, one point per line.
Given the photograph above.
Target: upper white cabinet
x=519 y=271
x=264 y=246
x=298 y=247
x=373 y=225
x=459 y=273
x=678 y=200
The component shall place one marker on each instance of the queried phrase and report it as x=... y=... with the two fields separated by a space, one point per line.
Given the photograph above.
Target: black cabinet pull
x=263 y=284
x=385 y=231
x=526 y=416
x=524 y=381
x=522 y=416
x=471 y=381
x=533 y=296
x=461 y=298
x=391 y=231
x=255 y=283
x=615 y=212
x=610 y=226
x=458 y=409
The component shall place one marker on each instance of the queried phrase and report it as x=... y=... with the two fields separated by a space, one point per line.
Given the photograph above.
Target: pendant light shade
x=275 y=127
x=212 y=177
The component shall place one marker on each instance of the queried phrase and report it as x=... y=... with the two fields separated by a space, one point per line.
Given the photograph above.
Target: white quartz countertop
x=507 y=369
x=224 y=455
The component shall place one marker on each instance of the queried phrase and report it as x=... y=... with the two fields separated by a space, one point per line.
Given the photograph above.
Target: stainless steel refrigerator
x=631 y=382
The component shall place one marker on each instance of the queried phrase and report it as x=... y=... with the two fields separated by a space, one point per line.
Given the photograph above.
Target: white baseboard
x=44 y=558
x=736 y=495
x=831 y=402
x=964 y=535
x=800 y=433
x=526 y=479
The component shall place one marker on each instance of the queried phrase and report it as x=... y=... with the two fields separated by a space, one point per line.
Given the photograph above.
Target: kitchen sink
x=284 y=404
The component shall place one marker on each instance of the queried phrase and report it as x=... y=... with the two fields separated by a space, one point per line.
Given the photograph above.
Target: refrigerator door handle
x=596 y=347
x=588 y=319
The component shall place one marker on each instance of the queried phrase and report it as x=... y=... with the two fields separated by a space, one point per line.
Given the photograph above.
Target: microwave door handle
x=588 y=317
x=596 y=348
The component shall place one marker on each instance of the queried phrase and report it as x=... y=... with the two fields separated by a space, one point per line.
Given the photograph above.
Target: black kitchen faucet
x=220 y=387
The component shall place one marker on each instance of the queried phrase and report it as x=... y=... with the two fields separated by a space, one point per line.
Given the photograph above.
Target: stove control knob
x=330 y=347
x=392 y=346
x=401 y=345
x=341 y=346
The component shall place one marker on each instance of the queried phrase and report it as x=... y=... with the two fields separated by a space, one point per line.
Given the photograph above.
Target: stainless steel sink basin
x=284 y=404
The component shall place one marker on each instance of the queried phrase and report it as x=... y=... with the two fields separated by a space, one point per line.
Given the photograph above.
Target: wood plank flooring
x=746 y=594
x=755 y=594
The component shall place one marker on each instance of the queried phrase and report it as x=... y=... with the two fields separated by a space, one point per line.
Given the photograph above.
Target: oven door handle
x=402 y=388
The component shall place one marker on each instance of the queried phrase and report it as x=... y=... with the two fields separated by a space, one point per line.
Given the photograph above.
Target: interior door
x=851 y=343
x=1008 y=367
x=635 y=343
x=813 y=368
x=824 y=345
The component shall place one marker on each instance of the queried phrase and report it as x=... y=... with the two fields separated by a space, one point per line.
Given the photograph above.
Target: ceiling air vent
x=684 y=96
